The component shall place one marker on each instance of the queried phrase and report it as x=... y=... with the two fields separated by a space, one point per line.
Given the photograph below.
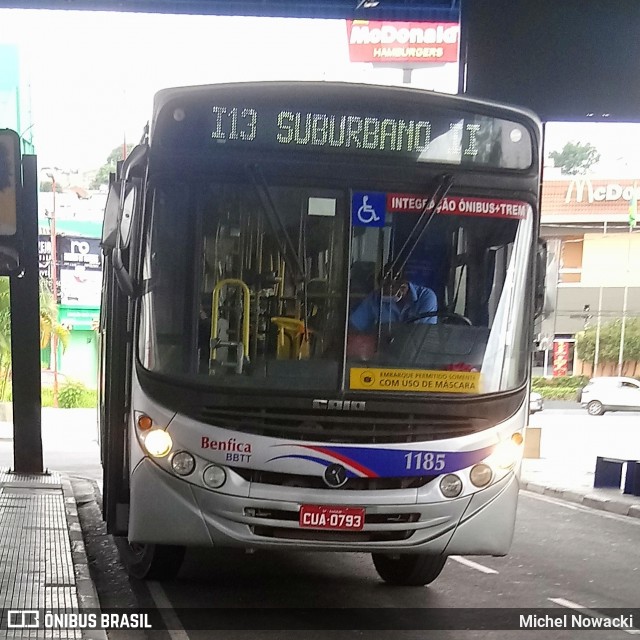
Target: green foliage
x=610 y=333
x=558 y=393
x=575 y=158
x=561 y=382
x=80 y=397
x=46 y=186
x=74 y=395
x=560 y=388
x=102 y=176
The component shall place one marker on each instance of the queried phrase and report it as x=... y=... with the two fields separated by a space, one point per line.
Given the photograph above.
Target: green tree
x=48 y=326
x=609 y=350
x=575 y=158
x=102 y=177
x=46 y=186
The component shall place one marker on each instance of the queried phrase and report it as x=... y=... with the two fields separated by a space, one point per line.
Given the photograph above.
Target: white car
x=612 y=393
x=535 y=402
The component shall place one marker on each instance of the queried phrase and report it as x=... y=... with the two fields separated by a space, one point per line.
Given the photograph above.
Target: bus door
x=116 y=348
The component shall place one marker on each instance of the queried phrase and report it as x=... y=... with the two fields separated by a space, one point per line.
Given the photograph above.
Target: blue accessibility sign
x=368 y=209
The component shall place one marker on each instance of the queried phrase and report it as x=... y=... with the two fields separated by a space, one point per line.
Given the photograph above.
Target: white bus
x=316 y=324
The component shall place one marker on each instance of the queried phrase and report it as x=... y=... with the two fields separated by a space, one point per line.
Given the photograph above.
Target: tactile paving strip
x=36 y=565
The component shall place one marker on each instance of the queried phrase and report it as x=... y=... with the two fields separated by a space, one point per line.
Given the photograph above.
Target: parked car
x=613 y=393
x=535 y=402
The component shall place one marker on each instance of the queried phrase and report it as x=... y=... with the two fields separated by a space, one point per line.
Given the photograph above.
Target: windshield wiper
x=439 y=189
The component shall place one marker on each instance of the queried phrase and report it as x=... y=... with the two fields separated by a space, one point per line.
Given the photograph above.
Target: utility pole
x=25 y=334
x=54 y=286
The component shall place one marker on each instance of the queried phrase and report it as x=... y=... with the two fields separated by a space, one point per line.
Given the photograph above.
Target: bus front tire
x=410 y=569
x=152 y=561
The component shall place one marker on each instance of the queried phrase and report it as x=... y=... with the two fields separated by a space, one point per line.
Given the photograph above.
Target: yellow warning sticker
x=371 y=379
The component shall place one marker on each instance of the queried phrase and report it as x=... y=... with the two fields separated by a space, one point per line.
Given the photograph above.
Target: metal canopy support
x=433 y=10
x=25 y=334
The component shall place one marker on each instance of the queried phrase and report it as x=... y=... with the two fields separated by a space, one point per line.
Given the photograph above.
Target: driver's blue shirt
x=418 y=300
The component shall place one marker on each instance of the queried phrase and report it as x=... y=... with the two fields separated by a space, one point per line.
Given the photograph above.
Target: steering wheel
x=451 y=316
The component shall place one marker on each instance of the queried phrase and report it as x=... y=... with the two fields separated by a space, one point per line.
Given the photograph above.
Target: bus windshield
x=264 y=278
x=325 y=237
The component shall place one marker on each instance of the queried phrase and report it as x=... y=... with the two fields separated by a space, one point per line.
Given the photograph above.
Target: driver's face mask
x=400 y=289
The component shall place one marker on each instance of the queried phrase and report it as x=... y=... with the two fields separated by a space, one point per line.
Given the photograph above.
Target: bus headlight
x=506 y=453
x=183 y=463
x=158 y=443
x=480 y=475
x=214 y=476
x=451 y=486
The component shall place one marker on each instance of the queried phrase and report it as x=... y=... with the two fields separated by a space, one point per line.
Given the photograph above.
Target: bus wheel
x=152 y=561
x=410 y=569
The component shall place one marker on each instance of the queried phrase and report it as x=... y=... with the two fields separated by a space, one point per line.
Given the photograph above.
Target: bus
x=316 y=324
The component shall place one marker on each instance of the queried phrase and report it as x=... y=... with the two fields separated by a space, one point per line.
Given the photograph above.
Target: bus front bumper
x=167 y=510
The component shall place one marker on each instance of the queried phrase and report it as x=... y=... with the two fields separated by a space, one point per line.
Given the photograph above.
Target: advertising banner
x=415 y=42
x=560 y=358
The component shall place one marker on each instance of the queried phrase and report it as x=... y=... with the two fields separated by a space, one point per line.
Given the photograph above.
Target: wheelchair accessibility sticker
x=368 y=209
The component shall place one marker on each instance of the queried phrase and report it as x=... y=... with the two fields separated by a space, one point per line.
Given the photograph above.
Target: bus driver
x=397 y=300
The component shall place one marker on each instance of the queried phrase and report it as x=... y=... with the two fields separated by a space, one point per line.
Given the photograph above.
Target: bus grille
x=335 y=426
x=315 y=535
x=315 y=482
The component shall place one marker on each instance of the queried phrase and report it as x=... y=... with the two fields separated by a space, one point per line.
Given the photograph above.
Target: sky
x=92 y=75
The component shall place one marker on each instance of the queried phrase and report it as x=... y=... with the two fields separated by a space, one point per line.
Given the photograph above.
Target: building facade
x=594 y=263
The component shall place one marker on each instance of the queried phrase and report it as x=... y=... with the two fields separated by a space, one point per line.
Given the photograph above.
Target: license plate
x=313 y=516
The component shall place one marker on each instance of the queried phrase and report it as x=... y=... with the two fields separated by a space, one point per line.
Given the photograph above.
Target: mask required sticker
x=372 y=379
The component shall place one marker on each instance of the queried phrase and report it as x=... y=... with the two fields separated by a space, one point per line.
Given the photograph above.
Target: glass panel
x=458 y=304
x=254 y=297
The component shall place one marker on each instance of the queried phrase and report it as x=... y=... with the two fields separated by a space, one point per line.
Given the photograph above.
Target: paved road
x=563 y=556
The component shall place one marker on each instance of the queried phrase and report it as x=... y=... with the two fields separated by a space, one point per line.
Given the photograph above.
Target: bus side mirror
x=10 y=182
x=111 y=216
x=540 y=277
x=123 y=201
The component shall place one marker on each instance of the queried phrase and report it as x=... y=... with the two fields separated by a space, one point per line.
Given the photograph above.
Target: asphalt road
x=563 y=556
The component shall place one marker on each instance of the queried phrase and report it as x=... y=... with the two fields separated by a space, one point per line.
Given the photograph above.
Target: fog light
x=480 y=475
x=214 y=476
x=451 y=486
x=183 y=463
x=158 y=443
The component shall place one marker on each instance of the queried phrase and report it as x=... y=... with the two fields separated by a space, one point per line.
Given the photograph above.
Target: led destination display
x=417 y=132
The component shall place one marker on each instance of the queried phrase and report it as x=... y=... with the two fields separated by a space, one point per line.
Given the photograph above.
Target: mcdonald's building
x=593 y=266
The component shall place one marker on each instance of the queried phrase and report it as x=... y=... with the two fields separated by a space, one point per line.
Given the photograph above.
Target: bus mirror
x=9 y=197
x=111 y=217
x=541 y=273
x=129 y=205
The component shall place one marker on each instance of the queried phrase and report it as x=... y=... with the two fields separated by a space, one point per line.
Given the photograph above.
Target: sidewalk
x=43 y=562
x=549 y=478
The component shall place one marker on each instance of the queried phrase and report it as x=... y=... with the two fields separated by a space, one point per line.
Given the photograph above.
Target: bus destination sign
x=417 y=133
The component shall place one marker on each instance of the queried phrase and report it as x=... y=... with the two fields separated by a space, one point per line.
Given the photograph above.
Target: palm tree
x=5 y=336
x=49 y=326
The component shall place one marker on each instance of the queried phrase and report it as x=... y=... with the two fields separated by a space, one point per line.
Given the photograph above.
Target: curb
x=590 y=500
x=85 y=588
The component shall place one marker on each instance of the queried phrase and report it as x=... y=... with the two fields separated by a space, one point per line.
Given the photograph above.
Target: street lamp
x=54 y=286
